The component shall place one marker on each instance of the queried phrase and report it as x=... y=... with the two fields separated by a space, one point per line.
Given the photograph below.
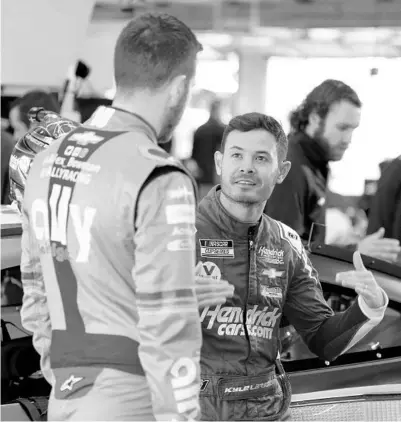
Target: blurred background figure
x=385 y=207
x=207 y=140
x=321 y=131
x=19 y=109
x=7 y=145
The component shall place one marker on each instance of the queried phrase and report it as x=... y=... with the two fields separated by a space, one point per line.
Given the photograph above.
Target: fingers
x=386 y=244
x=358 y=263
x=353 y=279
x=380 y=233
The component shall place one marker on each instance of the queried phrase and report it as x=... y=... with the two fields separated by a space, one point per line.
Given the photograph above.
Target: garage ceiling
x=281 y=27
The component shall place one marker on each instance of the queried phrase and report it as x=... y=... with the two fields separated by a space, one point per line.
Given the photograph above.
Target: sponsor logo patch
x=229 y=321
x=271 y=256
x=216 y=248
x=183 y=231
x=272 y=292
x=180 y=193
x=85 y=138
x=70 y=382
x=180 y=245
x=209 y=270
x=273 y=273
x=180 y=213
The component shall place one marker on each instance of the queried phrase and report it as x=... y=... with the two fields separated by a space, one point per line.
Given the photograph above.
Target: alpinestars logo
x=230 y=320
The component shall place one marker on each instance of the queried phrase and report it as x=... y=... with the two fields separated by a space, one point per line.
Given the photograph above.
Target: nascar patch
x=216 y=248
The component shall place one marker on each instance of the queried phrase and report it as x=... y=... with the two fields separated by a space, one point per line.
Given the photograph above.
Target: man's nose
x=247 y=167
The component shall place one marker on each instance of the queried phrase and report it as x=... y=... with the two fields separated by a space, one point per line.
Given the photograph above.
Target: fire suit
x=108 y=274
x=242 y=377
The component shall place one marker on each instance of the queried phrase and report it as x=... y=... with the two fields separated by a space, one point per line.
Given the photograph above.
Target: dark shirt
x=7 y=146
x=300 y=200
x=207 y=140
x=385 y=209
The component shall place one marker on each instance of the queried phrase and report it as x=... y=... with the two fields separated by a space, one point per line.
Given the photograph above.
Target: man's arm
x=35 y=315
x=328 y=335
x=287 y=202
x=164 y=277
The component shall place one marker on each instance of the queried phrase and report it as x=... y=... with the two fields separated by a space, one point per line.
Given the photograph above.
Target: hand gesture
x=209 y=291
x=377 y=246
x=363 y=282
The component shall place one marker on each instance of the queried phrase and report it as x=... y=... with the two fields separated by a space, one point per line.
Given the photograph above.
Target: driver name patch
x=216 y=248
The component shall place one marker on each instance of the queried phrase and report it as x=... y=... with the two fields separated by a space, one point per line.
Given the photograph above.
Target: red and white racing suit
x=108 y=274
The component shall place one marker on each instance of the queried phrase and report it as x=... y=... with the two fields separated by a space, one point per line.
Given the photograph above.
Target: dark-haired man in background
x=242 y=377
x=321 y=131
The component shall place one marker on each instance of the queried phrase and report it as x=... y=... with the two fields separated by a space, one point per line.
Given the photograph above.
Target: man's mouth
x=245 y=182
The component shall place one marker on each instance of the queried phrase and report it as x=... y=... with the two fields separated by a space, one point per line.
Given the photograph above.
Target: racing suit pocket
x=268 y=406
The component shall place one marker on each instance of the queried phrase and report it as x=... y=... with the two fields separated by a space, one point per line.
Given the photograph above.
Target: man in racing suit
x=108 y=245
x=242 y=377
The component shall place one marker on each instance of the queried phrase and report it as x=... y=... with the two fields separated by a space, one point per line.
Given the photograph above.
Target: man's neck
x=147 y=106
x=245 y=213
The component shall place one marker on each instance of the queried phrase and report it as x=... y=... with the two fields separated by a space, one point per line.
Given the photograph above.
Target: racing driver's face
x=249 y=166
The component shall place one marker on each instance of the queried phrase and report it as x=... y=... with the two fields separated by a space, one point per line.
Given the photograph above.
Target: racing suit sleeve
x=164 y=276
x=35 y=316
x=327 y=334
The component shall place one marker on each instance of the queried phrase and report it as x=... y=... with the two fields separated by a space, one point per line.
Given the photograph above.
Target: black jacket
x=300 y=200
x=207 y=140
x=385 y=209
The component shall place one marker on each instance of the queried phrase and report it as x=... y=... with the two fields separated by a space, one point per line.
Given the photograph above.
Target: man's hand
x=363 y=282
x=209 y=291
x=377 y=246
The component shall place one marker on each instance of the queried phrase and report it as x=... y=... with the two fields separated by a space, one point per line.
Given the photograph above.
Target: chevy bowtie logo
x=273 y=273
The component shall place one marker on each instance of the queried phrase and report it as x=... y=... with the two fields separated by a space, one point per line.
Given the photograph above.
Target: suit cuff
x=375 y=314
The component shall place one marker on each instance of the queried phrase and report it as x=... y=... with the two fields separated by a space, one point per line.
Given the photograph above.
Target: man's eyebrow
x=256 y=152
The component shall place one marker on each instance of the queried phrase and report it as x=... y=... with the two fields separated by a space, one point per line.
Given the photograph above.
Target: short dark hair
x=36 y=98
x=320 y=99
x=151 y=50
x=252 y=121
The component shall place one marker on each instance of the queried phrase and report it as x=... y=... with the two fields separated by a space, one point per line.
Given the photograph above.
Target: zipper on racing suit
x=251 y=246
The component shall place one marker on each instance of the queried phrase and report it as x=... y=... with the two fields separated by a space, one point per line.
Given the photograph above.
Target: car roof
x=10 y=220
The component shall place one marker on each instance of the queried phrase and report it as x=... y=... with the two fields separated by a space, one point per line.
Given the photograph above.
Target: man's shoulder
x=283 y=233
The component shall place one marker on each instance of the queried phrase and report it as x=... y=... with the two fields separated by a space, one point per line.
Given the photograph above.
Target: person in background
x=321 y=131
x=242 y=376
x=19 y=109
x=7 y=145
x=385 y=206
x=207 y=140
x=108 y=262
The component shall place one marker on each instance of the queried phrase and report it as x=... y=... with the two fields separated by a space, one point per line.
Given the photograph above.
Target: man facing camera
x=265 y=261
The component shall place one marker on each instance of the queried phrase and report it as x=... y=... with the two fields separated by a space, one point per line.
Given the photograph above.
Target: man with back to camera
x=108 y=245
x=242 y=377
x=321 y=131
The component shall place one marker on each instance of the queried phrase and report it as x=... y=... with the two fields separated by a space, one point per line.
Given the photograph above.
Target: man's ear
x=176 y=88
x=218 y=159
x=284 y=170
x=314 y=120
